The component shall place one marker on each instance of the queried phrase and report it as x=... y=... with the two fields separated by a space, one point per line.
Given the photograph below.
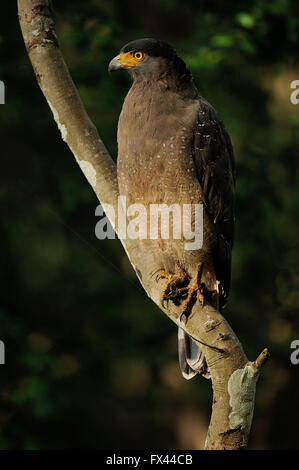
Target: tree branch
x=233 y=377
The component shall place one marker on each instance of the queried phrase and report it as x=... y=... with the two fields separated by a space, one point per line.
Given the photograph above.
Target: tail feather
x=191 y=358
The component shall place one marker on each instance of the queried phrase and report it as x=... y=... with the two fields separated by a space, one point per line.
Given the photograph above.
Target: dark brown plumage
x=173 y=148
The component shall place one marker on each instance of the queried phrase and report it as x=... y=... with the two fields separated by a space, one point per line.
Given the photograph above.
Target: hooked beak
x=115 y=64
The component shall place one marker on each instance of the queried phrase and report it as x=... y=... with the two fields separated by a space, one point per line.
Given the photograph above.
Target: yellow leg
x=181 y=287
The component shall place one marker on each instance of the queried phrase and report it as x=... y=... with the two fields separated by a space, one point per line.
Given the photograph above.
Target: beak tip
x=114 y=65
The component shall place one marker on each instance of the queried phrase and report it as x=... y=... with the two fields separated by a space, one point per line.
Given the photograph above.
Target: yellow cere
x=130 y=59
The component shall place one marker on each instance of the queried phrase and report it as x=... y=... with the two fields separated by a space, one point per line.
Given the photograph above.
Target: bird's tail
x=191 y=358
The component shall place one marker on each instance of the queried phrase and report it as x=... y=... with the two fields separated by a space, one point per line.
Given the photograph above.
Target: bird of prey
x=173 y=148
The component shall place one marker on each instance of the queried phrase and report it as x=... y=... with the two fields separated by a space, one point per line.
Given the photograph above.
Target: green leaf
x=222 y=40
x=245 y=19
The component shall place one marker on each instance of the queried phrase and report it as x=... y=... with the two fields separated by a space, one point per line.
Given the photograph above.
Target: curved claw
x=160 y=274
x=182 y=314
x=156 y=274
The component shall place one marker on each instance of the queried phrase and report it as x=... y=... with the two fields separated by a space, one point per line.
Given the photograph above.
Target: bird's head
x=151 y=59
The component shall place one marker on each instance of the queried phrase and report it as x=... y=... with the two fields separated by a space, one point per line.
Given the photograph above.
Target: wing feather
x=215 y=166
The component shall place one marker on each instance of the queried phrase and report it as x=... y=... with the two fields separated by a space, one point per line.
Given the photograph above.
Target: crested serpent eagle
x=173 y=148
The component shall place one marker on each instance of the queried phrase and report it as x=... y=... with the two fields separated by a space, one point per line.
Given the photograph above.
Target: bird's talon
x=181 y=287
x=200 y=298
x=181 y=321
x=161 y=274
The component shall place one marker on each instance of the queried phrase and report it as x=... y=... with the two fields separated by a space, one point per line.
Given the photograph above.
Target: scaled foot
x=181 y=287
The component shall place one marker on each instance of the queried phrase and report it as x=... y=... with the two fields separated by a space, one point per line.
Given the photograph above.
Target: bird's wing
x=214 y=161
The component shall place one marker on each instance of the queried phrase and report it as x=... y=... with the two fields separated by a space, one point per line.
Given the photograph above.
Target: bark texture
x=233 y=377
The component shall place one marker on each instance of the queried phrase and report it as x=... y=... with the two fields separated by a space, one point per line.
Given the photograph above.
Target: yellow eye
x=138 y=55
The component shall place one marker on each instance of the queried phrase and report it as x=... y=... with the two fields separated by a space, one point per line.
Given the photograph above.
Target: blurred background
x=91 y=362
